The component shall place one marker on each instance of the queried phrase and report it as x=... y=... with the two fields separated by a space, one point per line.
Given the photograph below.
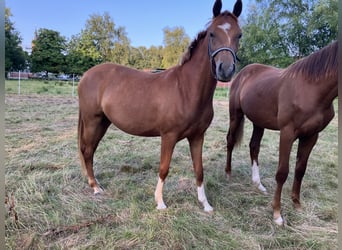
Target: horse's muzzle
x=225 y=71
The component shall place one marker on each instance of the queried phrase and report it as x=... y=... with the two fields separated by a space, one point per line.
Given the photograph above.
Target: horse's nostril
x=220 y=66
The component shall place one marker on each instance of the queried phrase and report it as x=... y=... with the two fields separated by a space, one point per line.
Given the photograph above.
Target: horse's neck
x=198 y=80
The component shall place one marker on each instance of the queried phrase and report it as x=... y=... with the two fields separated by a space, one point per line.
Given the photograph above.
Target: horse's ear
x=237 y=8
x=217 y=8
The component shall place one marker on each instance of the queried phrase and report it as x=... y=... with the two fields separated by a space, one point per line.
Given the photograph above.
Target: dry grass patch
x=56 y=209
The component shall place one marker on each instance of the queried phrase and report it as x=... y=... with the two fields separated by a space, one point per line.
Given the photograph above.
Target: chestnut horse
x=174 y=104
x=296 y=100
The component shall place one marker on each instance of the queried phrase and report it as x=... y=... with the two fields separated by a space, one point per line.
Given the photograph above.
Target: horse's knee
x=281 y=176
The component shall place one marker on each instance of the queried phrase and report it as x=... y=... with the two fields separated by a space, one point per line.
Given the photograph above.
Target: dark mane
x=193 y=45
x=320 y=64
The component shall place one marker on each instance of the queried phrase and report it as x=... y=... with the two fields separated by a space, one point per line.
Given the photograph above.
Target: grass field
x=51 y=206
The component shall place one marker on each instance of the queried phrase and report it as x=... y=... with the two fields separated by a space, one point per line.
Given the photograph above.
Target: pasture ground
x=50 y=204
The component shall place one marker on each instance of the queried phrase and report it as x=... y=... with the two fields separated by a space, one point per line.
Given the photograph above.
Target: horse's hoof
x=298 y=207
x=279 y=221
x=161 y=206
x=262 y=189
x=209 y=210
x=98 y=190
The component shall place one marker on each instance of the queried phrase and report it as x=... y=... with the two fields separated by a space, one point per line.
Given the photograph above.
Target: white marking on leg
x=158 y=195
x=256 y=178
x=98 y=189
x=203 y=199
x=279 y=221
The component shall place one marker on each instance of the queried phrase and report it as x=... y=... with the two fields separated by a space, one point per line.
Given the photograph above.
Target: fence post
x=73 y=85
x=19 y=83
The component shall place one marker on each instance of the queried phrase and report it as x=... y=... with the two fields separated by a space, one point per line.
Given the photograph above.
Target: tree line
x=274 y=32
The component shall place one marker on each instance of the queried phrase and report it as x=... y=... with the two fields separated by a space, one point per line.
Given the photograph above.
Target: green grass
x=44 y=87
x=51 y=205
x=65 y=88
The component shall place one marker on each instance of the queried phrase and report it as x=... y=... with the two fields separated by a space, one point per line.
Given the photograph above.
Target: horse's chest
x=199 y=121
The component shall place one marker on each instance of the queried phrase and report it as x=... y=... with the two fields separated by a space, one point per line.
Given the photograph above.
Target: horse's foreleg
x=196 y=144
x=254 y=147
x=286 y=140
x=167 y=145
x=304 y=149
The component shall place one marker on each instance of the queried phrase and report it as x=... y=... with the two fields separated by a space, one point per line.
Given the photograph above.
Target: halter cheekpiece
x=212 y=54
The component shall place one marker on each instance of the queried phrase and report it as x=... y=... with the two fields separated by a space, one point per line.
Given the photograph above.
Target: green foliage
x=47 y=52
x=279 y=32
x=100 y=41
x=143 y=58
x=324 y=22
x=15 y=57
x=176 y=41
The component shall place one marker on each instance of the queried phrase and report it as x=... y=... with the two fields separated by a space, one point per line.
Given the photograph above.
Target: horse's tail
x=239 y=131
x=79 y=137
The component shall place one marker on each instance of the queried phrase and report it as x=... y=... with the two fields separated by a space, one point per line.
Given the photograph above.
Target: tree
x=48 y=49
x=176 y=42
x=154 y=56
x=143 y=58
x=100 y=33
x=77 y=63
x=323 y=24
x=15 y=57
x=98 y=42
x=261 y=41
x=279 y=32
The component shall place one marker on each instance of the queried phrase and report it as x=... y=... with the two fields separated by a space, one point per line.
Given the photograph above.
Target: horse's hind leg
x=91 y=131
x=254 y=147
x=304 y=149
x=234 y=135
x=287 y=137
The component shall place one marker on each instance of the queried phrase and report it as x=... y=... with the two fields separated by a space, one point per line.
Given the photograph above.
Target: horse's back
x=105 y=78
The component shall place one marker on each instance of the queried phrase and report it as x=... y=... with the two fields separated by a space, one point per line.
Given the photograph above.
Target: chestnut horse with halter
x=174 y=104
x=297 y=100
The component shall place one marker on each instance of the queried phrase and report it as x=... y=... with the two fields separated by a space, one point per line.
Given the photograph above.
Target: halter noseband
x=212 y=54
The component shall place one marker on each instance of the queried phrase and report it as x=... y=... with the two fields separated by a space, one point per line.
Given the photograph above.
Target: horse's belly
x=263 y=117
x=264 y=122
x=135 y=127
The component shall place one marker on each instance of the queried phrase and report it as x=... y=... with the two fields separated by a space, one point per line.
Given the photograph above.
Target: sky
x=144 y=20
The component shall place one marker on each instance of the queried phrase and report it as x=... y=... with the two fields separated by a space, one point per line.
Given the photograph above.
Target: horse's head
x=224 y=34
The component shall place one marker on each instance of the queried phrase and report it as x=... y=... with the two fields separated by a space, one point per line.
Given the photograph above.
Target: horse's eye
x=239 y=36
x=211 y=34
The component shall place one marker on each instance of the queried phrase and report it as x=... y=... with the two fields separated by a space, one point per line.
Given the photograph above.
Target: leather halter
x=212 y=54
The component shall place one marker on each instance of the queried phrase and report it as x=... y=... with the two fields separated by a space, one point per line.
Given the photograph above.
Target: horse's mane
x=188 y=54
x=193 y=45
x=320 y=64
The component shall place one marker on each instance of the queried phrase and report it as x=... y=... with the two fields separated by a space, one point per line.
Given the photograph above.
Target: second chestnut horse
x=297 y=100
